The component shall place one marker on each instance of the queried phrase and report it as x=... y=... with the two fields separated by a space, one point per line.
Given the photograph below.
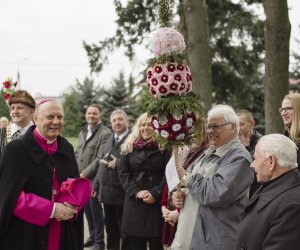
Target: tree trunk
x=198 y=49
x=277 y=37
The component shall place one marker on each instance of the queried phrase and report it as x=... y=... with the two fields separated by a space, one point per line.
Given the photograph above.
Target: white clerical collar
x=48 y=141
x=14 y=128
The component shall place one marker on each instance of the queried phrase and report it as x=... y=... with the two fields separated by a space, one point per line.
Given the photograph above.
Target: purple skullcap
x=44 y=101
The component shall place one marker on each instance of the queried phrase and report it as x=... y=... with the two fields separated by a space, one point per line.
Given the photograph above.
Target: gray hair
x=119 y=111
x=43 y=102
x=282 y=148
x=226 y=112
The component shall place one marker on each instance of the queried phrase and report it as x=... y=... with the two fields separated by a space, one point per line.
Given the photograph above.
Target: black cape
x=25 y=166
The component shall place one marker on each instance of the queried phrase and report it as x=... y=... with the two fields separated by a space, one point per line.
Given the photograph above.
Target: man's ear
x=272 y=162
x=253 y=123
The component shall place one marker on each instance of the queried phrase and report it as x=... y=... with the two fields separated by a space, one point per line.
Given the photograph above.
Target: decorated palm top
x=8 y=88
x=172 y=105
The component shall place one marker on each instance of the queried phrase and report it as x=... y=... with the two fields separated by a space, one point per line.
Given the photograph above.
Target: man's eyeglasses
x=285 y=109
x=215 y=126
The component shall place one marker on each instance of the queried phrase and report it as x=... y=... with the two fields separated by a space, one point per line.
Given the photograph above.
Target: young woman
x=141 y=171
x=290 y=113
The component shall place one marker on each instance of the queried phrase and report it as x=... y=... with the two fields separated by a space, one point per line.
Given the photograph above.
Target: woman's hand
x=146 y=196
x=172 y=217
x=178 y=198
x=164 y=211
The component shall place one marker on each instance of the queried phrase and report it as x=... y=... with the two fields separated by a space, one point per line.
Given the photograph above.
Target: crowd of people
x=238 y=189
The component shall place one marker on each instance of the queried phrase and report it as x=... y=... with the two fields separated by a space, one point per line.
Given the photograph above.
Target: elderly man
x=21 y=110
x=107 y=184
x=31 y=171
x=272 y=216
x=218 y=185
x=92 y=139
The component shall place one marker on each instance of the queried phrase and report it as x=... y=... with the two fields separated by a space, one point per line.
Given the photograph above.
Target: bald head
x=48 y=118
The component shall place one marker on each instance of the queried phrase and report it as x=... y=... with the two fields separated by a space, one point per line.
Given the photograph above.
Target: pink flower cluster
x=174 y=128
x=169 y=79
x=8 y=88
x=167 y=41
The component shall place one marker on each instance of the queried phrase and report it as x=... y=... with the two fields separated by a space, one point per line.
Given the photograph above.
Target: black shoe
x=89 y=242
x=98 y=247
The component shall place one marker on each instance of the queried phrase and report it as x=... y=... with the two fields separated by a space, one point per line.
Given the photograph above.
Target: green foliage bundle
x=4 y=111
x=175 y=105
x=178 y=58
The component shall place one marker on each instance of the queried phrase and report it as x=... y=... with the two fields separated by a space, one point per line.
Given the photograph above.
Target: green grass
x=73 y=141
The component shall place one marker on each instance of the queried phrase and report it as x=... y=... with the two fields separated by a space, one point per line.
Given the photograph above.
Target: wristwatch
x=184 y=180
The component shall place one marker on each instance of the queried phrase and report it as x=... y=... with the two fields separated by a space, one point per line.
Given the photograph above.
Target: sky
x=42 y=39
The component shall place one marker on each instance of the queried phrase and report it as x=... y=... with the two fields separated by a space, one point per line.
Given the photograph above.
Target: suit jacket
x=90 y=151
x=272 y=216
x=25 y=166
x=107 y=183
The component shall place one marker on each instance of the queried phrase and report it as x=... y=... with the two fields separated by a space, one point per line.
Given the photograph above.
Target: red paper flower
x=158 y=69
x=177 y=77
x=182 y=86
x=154 y=81
x=149 y=74
x=162 y=90
x=171 y=67
x=6 y=85
x=173 y=86
x=153 y=92
x=164 y=78
x=6 y=96
x=180 y=67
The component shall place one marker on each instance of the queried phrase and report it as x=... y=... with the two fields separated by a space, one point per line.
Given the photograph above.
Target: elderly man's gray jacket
x=221 y=187
x=90 y=151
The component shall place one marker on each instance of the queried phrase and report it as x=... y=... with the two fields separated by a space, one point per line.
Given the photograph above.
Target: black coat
x=107 y=183
x=142 y=170
x=287 y=133
x=25 y=166
x=272 y=216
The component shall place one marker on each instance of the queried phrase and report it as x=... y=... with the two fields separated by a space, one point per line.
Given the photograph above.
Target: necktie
x=116 y=139
x=17 y=134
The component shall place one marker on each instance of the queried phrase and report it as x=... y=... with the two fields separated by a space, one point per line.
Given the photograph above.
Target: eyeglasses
x=285 y=109
x=215 y=126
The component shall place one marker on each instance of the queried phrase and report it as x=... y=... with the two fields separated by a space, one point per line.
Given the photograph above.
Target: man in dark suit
x=107 y=186
x=92 y=139
x=272 y=216
x=249 y=138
